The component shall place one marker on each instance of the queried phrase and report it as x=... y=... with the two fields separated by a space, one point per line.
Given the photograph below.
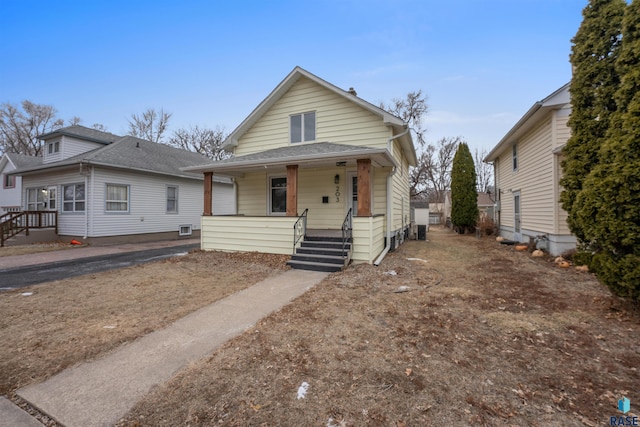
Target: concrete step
x=314 y=266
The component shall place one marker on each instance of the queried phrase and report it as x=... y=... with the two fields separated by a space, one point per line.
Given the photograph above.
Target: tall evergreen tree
x=609 y=204
x=593 y=86
x=464 y=196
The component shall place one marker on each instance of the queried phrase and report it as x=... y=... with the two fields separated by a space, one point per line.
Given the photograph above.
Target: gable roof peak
x=292 y=78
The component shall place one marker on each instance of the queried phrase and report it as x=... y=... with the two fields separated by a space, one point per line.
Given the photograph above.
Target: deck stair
x=322 y=253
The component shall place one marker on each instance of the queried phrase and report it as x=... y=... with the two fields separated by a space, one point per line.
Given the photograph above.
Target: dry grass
x=49 y=327
x=484 y=336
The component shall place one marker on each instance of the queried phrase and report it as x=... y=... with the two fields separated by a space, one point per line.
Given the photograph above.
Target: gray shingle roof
x=82 y=132
x=23 y=161
x=134 y=154
x=296 y=151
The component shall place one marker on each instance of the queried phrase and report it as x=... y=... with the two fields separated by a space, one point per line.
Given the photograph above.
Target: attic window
x=303 y=127
x=54 y=147
x=514 y=155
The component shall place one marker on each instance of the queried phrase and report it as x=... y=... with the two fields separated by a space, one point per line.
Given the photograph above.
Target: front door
x=352 y=192
x=517 y=234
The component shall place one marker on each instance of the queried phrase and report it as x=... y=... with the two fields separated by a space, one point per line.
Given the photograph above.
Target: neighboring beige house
x=316 y=154
x=527 y=166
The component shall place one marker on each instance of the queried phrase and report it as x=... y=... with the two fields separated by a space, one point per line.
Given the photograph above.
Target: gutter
x=389 y=198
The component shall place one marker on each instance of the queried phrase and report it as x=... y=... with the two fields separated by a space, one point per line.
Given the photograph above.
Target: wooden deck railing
x=13 y=223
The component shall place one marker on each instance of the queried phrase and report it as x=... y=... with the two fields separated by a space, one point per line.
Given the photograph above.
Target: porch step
x=326 y=259
x=324 y=244
x=321 y=253
x=315 y=266
x=334 y=239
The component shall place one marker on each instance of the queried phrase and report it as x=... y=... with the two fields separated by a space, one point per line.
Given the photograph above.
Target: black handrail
x=300 y=229
x=347 y=229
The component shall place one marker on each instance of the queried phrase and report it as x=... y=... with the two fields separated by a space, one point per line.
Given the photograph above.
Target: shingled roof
x=82 y=132
x=134 y=154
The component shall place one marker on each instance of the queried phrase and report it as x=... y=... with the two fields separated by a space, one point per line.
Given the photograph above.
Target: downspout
x=389 y=199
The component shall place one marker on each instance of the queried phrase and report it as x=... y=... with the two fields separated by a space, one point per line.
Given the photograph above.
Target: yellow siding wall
x=313 y=183
x=537 y=177
x=245 y=234
x=534 y=179
x=368 y=237
x=337 y=120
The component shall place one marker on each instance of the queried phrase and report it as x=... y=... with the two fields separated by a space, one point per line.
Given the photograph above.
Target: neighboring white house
x=316 y=154
x=111 y=188
x=11 y=189
x=527 y=166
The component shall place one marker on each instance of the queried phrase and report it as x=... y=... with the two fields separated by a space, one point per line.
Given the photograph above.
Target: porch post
x=208 y=188
x=292 y=190
x=364 y=187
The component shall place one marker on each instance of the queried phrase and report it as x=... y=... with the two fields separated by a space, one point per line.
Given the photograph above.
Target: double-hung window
x=303 y=127
x=278 y=195
x=73 y=198
x=117 y=198
x=172 y=199
x=9 y=181
x=54 y=147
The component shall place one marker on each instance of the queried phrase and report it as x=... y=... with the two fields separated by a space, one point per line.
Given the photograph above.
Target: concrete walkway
x=101 y=392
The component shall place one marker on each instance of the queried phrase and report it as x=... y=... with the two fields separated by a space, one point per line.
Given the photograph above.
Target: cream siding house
x=313 y=153
x=108 y=188
x=527 y=166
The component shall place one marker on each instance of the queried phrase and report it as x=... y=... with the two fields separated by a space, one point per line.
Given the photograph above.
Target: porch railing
x=300 y=229
x=13 y=223
x=347 y=229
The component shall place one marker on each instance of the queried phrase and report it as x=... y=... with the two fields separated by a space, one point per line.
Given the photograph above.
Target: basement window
x=185 y=230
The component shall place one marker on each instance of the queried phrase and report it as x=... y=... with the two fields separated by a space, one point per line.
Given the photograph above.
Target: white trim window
x=73 y=198
x=54 y=147
x=172 y=199
x=8 y=181
x=514 y=157
x=303 y=127
x=277 y=195
x=116 y=198
x=36 y=199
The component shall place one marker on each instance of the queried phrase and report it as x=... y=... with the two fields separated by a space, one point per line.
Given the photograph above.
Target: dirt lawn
x=483 y=336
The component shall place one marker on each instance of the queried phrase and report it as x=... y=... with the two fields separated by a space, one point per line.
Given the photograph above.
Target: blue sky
x=482 y=64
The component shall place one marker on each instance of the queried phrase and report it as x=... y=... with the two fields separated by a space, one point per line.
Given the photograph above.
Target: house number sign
x=337 y=194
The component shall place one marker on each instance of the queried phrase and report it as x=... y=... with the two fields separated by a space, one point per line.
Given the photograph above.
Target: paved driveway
x=21 y=276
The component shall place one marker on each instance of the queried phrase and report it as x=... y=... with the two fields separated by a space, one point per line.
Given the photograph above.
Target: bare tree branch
x=19 y=128
x=484 y=171
x=151 y=125
x=411 y=110
x=201 y=140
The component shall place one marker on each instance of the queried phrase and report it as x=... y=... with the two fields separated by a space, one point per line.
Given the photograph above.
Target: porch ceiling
x=313 y=155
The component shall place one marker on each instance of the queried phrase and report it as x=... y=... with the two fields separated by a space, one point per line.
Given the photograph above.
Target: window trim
x=74 y=201
x=8 y=181
x=107 y=201
x=270 y=187
x=166 y=199
x=514 y=157
x=302 y=127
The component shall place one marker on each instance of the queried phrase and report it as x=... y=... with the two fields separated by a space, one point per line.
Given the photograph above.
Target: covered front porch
x=285 y=194
x=237 y=233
